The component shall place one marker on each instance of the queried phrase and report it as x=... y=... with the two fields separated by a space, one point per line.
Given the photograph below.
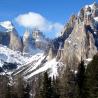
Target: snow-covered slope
x=50 y=65
x=10 y=56
x=28 y=66
x=37 y=64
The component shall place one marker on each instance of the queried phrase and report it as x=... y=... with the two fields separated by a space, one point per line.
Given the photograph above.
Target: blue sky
x=55 y=11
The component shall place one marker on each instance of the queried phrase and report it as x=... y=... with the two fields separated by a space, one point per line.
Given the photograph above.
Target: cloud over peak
x=32 y=20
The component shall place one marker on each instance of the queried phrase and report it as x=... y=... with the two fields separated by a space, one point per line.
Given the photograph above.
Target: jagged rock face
x=58 y=43
x=69 y=27
x=88 y=13
x=28 y=42
x=40 y=41
x=79 y=45
x=15 y=41
x=4 y=38
x=4 y=33
x=51 y=54
x=34 y=42
x=55 y=45
x=79 y=39
x=9 y=36
x=82 y=43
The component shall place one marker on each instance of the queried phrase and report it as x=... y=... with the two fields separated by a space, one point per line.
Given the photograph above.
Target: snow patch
x=7 y=25
x=8 y=55
x=52 y=65
x=89 y=59
x=96 y=19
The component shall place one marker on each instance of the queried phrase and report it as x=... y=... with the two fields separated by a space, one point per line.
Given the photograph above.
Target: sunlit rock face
x=15 y=41
x=9 y=36
x=79 y=38
x=40 y=40
x=28 y=42
x=79 y=45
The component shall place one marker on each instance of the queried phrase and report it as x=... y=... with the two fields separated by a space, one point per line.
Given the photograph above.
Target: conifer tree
x=19 y=86
x=46 y=91
x=54 y=87
x=27 y=91
x=80 y=78
x=8 y=92
x=67 y=84
x=90 y=85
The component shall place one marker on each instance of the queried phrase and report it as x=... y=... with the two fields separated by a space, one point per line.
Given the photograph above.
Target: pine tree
x=4 y=88
x=54 y=87
x=19 y=86
x=8 y=92
x=90 y=85
x=57 y=87
x=27 y=91
x=80 y=78
x=46 y=91
x=66 y=84
x=39 y=87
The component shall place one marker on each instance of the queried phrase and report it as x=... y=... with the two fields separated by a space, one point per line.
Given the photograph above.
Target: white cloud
x=32 y=20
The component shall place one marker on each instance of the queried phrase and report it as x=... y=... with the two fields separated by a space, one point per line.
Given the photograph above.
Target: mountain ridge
x=78 y=41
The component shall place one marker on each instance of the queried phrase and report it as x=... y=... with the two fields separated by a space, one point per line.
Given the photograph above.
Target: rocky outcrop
x=15 y=41
x=4 y=38
x=58 y=43
x=69 y=27
x=40 y=41
x=28 y=42
x=79 y=40
x=9 y=36
x=82 y=43
x=79 y=45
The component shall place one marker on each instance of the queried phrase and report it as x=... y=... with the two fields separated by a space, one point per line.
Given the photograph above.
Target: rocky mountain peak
x=37 y=34
x=26 y=35
x=79 y=38
x=9 y=36
x=88 y=13
x=40 y=41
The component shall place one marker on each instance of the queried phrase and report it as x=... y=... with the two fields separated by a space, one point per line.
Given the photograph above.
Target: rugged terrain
x=34 y=54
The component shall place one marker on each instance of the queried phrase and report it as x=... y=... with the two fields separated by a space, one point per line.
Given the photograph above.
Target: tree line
x=83 y=84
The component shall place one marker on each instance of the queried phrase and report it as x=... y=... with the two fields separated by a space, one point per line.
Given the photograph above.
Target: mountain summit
x=78 y=42
x=34 y=66
x=79 y=39
x=9 y=36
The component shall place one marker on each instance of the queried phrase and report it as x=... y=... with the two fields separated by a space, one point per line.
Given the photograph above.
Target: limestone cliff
x=15 y=41
x=79 y=39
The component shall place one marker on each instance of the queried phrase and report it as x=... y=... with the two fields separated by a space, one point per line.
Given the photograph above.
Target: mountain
x=28 y=43
x=82 y=43
x=10 y=59
x=34 y=42
x=9 y=36
x=16 y=51
x=78 y=41
x=40 y=40
x=33 y=54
